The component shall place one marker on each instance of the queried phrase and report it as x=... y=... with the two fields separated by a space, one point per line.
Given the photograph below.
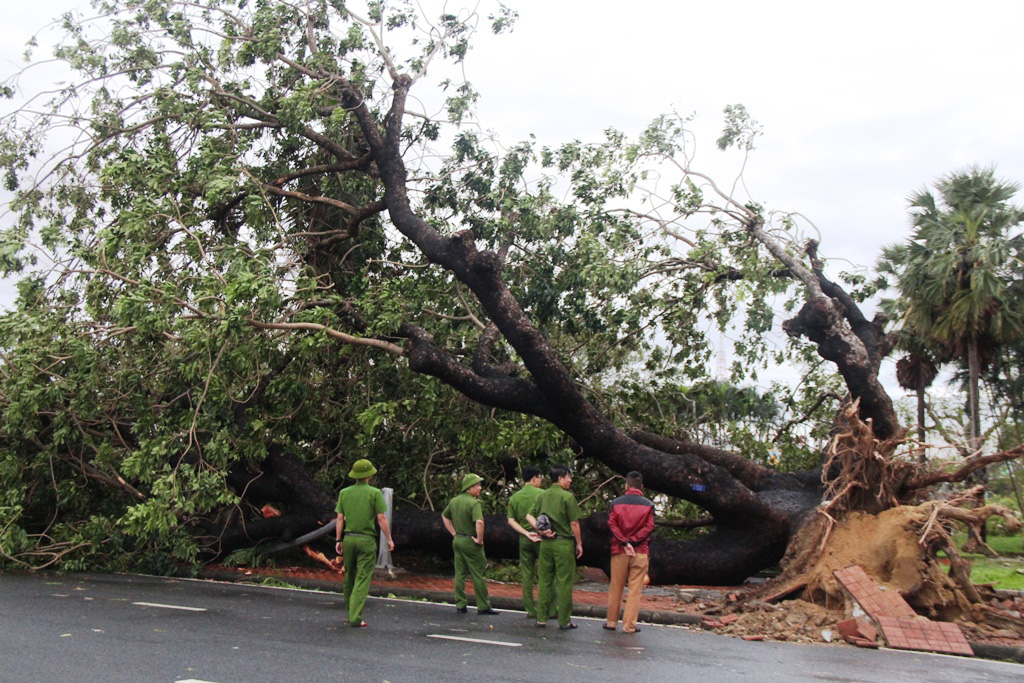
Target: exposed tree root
x=898 y=548
x=865 y=520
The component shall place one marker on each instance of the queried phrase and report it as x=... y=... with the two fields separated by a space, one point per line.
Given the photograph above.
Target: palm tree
x=916 y=372
x=954 y=272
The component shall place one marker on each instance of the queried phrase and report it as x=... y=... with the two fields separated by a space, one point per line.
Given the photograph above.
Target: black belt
x=459 y=533
x=359 y=533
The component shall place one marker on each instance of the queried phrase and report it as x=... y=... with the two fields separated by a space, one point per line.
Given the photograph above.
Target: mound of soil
x=888 y=547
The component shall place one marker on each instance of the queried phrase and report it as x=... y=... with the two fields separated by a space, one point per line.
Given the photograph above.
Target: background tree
x=954 y=272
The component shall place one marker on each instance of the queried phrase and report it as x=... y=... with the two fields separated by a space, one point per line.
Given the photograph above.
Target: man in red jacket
x=631 y=522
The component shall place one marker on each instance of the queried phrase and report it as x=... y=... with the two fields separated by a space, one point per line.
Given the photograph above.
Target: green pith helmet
x=362 y=469
x=469 y=480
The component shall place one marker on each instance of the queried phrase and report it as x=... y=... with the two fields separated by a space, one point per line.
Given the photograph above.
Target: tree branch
x=971 y=464
x=393 y=349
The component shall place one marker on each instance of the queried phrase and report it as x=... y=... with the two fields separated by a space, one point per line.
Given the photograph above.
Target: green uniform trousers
x=470 y=562
x=528 y=554
x=360 y=558
x=556 y=573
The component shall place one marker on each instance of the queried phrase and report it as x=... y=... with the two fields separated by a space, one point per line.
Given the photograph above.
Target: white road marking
x=473 y=640
x=157 y=604
x=192 y=680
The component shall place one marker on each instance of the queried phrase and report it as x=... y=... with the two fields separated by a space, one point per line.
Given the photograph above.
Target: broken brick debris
x=859 y=632
x=901 y=627
x=923 y=634
x=871 y=597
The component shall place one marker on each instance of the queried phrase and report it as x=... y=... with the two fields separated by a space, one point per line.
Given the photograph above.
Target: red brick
x=857 y=629
x=847 y=627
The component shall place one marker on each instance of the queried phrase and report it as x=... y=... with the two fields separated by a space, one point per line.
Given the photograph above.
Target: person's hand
x=629 y=550
x=549 y=533
x=338 y=547
x=391 y=545
x=532 y=535
x=579 y=550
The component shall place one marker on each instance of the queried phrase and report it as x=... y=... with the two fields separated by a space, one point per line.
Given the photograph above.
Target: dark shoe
x=606 y=627
x=567 y=627
x=541 y=624
x=461 y=610
x=487 y=611
x=361 y=624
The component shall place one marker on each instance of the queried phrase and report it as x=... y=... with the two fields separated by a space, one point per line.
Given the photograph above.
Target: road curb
x=384 y=591
x=1003 y=653
x=1006 y=653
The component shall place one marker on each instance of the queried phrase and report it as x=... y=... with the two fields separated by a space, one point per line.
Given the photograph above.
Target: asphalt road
x=99 y=627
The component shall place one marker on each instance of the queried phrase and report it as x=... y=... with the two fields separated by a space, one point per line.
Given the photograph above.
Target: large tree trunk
x=735 y=549
x=723 y=557
x=279 y=480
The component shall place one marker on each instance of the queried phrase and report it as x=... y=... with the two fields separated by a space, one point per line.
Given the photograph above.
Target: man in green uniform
x=464 y=519
x=519 y=505
x=358 y=506
x=557 y=562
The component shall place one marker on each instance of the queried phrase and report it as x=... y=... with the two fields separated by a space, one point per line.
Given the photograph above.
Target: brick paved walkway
x=590 y=596
x=592 y=591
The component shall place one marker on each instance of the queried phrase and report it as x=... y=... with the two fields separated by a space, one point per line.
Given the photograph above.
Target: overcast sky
x=861 y=103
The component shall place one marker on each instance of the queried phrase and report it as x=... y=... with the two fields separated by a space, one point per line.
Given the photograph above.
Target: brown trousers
x=634 y=569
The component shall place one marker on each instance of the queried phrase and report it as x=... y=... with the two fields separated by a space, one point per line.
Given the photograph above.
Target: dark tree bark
x=724 y=557
x=279 y=480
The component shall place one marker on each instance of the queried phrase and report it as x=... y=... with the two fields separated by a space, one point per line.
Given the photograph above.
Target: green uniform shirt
x=561 y=508
x=521 y=503
x=361 y=503
x=464 y=510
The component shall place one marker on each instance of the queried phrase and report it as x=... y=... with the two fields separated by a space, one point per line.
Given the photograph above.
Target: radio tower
x=721 y=371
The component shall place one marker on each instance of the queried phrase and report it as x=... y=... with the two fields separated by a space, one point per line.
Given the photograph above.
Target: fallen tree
x=243 y=254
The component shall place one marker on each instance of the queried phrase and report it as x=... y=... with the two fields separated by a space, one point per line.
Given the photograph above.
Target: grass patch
x=1007 y=546
x=275 y=582
x=1005 y=572
x=1002 y=574
x=505 y=572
